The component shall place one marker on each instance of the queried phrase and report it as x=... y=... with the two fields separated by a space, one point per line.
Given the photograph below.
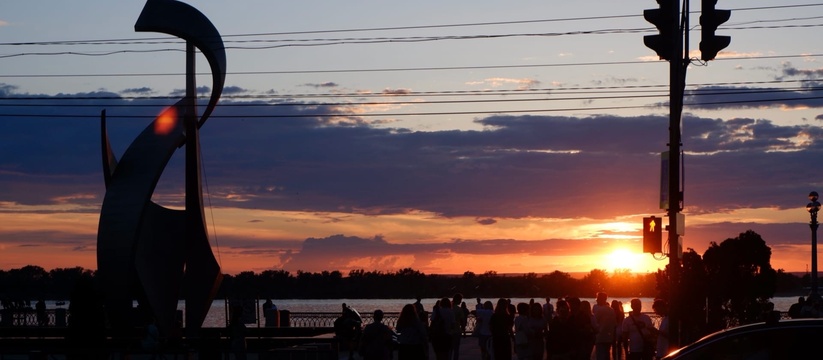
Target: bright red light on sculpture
x=166 y=122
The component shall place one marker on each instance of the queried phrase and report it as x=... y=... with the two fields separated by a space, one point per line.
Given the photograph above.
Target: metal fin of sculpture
x=109 y=160
x=181 y=20
x=144 y=250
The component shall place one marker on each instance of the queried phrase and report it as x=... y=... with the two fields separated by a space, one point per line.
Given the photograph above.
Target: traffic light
x=666 y=20
x=652 y=235
x=710 y=19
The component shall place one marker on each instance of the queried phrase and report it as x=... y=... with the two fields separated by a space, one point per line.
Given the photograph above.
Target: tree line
x=33 y=282
x=737 y=269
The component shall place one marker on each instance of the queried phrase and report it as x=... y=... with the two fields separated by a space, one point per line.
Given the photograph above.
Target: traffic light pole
x=672 y=45
x=677 y=77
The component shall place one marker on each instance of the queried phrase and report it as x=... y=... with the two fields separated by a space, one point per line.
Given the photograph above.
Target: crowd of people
x=806 y=307
x=568 y=329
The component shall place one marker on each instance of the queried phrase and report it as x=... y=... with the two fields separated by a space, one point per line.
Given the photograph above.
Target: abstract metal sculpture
x=144 y=250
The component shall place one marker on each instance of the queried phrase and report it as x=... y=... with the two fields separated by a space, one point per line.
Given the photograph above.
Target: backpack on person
x=649 y=335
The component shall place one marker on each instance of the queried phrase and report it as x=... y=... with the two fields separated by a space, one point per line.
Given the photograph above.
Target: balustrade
x=59 y=317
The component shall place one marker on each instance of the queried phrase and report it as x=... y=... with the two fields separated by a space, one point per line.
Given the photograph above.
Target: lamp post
x=813 y=207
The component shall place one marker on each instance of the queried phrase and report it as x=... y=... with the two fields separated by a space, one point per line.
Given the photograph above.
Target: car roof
x=755 y=327
x=768 y=325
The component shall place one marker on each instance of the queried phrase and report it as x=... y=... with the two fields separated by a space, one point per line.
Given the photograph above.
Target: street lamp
x=813 y=207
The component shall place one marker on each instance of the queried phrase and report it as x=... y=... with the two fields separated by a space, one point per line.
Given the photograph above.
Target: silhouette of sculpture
x=146 y=251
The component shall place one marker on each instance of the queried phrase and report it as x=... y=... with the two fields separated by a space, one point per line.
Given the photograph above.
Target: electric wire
x=395 y=40
x=444 y=68
x=642 y=94
x=412 y=27
x=479 y=112
x=551 y=91
x=372 y=40
x=496 y=92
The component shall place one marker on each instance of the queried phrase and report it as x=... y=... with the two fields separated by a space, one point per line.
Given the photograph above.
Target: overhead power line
x=478 y=112
x=587 y=97
x=394 y=28
x=342 y=114
x=716 y=88
x=282 y=43
x=433 y=68
x=154 y=40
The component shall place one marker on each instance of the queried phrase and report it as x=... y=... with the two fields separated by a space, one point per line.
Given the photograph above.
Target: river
x=217 y=318
x=217 y=313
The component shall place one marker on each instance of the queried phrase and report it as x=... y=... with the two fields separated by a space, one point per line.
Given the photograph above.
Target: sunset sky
x=445 y=136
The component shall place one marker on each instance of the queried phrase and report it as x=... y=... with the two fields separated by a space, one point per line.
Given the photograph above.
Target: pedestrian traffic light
x=652 y=235
x=666 y=20
x=710 y=19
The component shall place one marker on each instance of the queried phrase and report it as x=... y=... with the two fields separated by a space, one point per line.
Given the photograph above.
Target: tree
x=558 y=283
x=787 y=282
x=740 y=278
x=693 y=281
x=596 y=280
x=26 y=282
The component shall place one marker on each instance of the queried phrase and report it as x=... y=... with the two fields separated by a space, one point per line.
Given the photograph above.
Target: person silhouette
x=460 y=316
x=620 y=347
x=501 y=329
x=796 y=308
x=348 y=329
x=636 y=329
x=661 y=308
x=237 y=332
x=443 y=329
x=377 y=342
x=42 y=317
x=606 y=323
x=87 y=322
x=413 y=336
x=560 y=339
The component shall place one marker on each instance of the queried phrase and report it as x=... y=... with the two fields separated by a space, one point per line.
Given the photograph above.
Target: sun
x=623 y=259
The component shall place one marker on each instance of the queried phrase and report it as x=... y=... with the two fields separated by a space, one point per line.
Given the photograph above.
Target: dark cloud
x=808 y=92
x=345 y=253
x=746 y=135
x=46 y=239
x=396 y=91
x=322 y=85
x=614 y=80
x=486 y=221
x=524 y=167
x=201 y=90
x=291 y=156
x=7 y=90
x=234 y=90
x=141 y=90
x=700 y=237
x=740 y=97
x=790 y=71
